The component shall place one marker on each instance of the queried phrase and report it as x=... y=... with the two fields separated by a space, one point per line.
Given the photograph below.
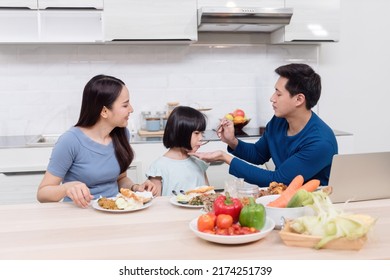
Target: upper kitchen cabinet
x=71 y=4
x=312 y=21
x=18 y=21
x=51 y=21
x=73 y=21
x=28 y=4
x=150 y=20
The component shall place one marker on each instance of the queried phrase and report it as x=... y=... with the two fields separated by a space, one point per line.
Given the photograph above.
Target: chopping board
x=145 y=133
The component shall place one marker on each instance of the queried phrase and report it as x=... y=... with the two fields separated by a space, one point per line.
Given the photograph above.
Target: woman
x=176 y=170
x=90 y=159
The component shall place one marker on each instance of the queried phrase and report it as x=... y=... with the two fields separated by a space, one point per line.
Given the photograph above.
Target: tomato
x=224 y=221
x=221 y=231
x=206 y=222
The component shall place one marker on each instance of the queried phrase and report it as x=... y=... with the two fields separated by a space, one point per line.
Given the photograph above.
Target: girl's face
x=121 y=109
x=196 y=140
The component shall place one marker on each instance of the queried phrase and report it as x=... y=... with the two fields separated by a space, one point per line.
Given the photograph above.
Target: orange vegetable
x=311 y=185
x=285 y=196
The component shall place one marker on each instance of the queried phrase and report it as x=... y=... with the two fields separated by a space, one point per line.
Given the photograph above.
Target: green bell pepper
x=253 y=215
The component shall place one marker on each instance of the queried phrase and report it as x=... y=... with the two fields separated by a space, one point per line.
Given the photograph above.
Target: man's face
x=282 y=103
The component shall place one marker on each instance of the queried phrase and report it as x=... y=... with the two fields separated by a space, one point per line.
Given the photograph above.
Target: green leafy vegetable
x=331 y=223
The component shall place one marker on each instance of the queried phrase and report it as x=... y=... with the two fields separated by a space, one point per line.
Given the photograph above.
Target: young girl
x=176 y=170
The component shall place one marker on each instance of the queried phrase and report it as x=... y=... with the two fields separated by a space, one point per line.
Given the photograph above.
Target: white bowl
x=278 y=215
x=233 y=239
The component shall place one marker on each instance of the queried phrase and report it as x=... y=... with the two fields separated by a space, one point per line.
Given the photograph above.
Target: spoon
x=174 y=192
x=182 y=192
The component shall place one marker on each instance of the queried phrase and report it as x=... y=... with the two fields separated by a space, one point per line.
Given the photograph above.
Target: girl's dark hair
x=180 y=124
x=102 y=91
x=302 y=79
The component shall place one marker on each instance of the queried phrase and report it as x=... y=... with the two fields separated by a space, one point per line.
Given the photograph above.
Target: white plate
x=233 y=239
x=173 y=200
x=96 y=205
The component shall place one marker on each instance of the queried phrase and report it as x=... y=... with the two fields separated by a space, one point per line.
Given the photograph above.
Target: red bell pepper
x=225 y=204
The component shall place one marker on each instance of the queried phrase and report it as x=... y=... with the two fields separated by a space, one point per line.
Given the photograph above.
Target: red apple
x=238 y=112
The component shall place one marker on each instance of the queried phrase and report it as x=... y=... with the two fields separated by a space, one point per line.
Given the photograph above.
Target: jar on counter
x=144 y=116
x=153 y=123
x=162 y=116
x=171 y=106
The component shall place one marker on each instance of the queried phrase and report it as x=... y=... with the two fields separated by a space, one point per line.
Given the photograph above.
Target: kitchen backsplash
x=41 y=85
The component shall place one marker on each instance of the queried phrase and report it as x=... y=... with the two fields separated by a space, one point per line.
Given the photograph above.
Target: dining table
x=63 y=231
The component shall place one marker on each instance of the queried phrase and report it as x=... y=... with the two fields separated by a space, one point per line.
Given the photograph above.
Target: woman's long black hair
x=102 y=91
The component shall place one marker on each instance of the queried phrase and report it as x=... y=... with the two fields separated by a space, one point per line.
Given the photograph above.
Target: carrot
x=285 y=196
x=311 y=185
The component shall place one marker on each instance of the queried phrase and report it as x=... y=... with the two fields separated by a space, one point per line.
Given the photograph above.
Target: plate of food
x=118 y=204
x=195 y=198
x=125 y=201
x=234 y=239
x=177 y=201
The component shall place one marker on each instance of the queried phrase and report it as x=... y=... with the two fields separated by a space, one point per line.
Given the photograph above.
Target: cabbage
x=331 y=223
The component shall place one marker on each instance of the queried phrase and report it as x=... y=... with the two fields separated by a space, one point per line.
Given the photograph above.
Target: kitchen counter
x=63 y=231
x=209 y=135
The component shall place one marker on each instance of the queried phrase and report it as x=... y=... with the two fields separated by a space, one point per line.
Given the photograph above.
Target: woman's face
x=121 y=109
x=196 y=139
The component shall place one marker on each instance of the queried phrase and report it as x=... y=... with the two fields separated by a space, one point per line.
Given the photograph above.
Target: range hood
x=236 y=19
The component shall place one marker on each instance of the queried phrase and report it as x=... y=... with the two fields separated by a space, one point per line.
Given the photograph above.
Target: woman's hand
x=79 y=193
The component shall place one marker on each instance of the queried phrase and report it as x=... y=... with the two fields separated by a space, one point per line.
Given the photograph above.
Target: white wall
x=356 y=75
x=41 y=85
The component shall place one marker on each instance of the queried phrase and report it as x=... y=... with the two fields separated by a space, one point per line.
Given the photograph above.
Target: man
x=296 y=139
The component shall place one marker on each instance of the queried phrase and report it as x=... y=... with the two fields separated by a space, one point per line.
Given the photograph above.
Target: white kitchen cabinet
x=81 y=26
x=19 y=187
x=312 y=21
x=18 y=26
x=30 y=4
x=22 y=169
x=50 y=21
x=74 y=4
x=150 y=20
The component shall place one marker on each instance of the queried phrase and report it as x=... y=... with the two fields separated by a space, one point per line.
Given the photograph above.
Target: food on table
x=225 y=204
x=331 y=223
x=201 y=196
x=273 y=188
x=202 y=189
x=285 y=196
x=253 y=215
x=119 y=203
x=297 y=193
x=303 y=197
x=222 y=225
x=208 y=201
x=224 y=221
x=130 y=194
x=206 y=222
x=107 y=203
